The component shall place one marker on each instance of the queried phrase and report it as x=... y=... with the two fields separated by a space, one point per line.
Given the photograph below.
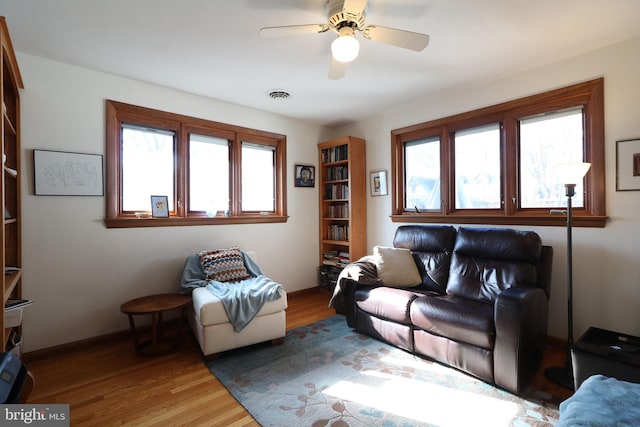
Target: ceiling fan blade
x=293 y=30
x=400 y=38
x=337 y=69
x=355 y=6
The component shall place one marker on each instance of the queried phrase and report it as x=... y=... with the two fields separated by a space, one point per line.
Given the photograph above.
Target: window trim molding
x=588 y=94
x=118 y=112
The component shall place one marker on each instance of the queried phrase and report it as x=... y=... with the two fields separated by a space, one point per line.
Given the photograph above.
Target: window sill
x=532 y=220
x=131 y=222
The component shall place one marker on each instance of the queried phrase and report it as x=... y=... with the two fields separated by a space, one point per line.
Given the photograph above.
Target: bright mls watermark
x=34 y=415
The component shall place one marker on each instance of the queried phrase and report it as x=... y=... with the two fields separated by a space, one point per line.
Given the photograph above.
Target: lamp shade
x=345 y=48
x=571 y=173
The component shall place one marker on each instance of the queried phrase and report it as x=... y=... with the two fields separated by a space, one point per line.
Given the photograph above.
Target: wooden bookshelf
x=10 y=233
x=343 y=205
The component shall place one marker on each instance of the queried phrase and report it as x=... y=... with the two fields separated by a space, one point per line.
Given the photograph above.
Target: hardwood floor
x=107 y=384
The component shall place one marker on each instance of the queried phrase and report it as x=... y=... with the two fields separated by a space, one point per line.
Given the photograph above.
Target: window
x=147 y=166
x=208 y=163
x=422 y=174
x=477 y=168
x=495 y=165
x=546 y=140
x=258 y=186
x=212 y=173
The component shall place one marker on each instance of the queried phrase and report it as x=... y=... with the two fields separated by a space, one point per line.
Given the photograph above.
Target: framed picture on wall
x=60 y=173
x=305 y=176
x=378 y=183
x=628 y=165
x=160 y=206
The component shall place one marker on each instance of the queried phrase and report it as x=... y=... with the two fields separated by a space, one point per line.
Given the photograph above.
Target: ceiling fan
x=345 y=17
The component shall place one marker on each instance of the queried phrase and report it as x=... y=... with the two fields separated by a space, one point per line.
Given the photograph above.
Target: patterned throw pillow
x=223 y=265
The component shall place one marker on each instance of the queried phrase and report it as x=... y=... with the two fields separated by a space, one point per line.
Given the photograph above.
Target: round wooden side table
x=155 y=305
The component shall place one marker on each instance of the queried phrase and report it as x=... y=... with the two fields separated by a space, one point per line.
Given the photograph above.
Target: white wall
x=606 y=260
x=78 y=272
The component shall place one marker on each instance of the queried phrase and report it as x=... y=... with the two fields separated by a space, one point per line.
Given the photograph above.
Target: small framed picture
x=378 y=183
x=305 y=175
x=160 y=206
x=628 y=165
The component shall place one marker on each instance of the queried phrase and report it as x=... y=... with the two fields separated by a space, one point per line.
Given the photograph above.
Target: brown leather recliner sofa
x=482 y=305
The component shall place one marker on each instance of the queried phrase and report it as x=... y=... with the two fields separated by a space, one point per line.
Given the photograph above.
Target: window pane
x=208 y=174
x=422 y=174
x=147 y=167
x=258 y=178
x=477 y=168
x=545 y=141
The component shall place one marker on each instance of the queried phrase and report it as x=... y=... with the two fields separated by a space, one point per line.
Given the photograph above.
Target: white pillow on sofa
x=396 y=267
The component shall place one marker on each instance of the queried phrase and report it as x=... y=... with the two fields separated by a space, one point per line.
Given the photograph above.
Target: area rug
x=325 y=374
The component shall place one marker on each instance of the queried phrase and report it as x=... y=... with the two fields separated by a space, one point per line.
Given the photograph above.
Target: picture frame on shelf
x=305 y=175
x=628 y=165
x=63 y=173
x=160 y=206
x=378 y=183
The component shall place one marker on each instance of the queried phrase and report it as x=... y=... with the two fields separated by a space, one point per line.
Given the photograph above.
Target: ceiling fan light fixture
x=345 y=48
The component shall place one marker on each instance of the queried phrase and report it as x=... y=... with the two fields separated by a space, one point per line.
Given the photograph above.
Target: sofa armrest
x=520 y=316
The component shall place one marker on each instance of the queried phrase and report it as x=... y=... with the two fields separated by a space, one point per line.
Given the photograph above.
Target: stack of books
x=343 y=258
x=330 y=258
x=339 y=259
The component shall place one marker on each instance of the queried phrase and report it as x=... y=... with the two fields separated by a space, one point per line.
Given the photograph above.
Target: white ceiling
x=212 y=47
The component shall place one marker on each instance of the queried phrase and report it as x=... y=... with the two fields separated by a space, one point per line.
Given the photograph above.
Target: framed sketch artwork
x=628 y=165
x=60 y=173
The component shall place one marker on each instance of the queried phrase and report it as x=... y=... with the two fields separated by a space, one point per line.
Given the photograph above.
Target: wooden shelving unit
x=343 y=205
x=10 y=181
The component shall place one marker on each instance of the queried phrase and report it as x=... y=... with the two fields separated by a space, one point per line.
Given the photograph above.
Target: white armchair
x=210 y=323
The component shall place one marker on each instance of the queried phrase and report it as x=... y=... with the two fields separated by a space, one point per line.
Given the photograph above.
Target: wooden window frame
x=119 y=113
x=589 y=95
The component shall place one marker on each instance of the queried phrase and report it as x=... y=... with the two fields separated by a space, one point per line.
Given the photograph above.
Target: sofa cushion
x=396 y=267
x=487 y=261
x=432 y=246
x=386 y=303
x=456 y=318
x=223 y=265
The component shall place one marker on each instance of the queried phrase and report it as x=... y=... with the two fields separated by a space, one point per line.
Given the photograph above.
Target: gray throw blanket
x=241 y=300
x=601 y=402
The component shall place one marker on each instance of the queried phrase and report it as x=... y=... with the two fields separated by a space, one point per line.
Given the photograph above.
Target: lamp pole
x=563 y=375
x=572 y=173
x=571 y=191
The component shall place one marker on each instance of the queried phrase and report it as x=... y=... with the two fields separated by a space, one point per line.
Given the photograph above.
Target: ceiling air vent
x=278 y=94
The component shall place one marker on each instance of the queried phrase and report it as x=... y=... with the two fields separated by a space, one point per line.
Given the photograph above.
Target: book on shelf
x=12 y=304
x=336 y=191
x=338 y=232
x=335 y=154
x=336 y=173
x=340 y=211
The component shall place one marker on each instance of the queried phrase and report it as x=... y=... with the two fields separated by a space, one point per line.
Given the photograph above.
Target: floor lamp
x=570 y=174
